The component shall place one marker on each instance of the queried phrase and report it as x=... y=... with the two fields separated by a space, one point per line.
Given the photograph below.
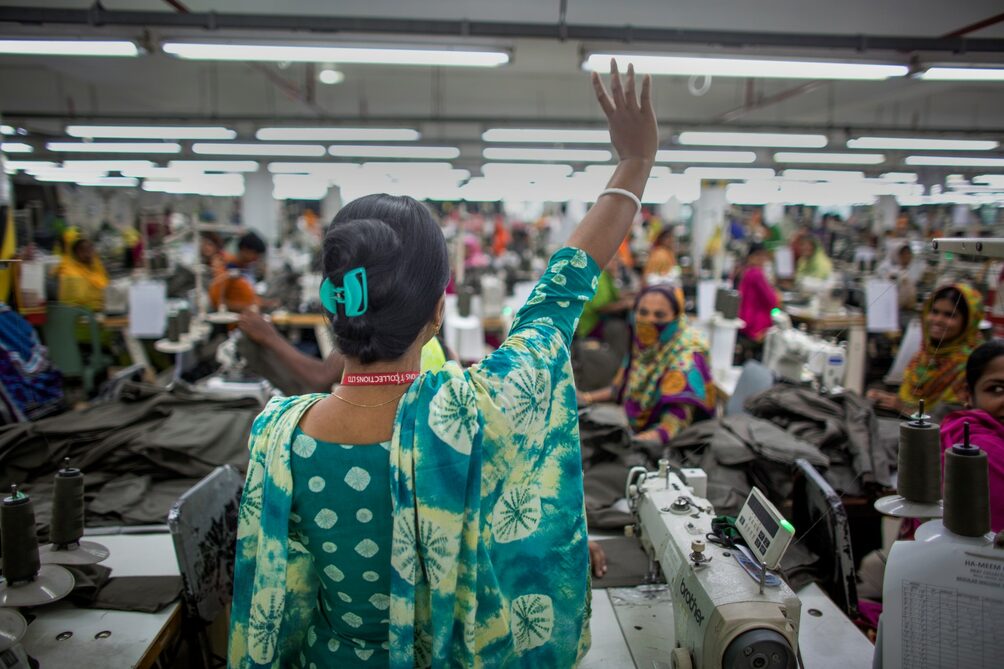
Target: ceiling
x=543 y=86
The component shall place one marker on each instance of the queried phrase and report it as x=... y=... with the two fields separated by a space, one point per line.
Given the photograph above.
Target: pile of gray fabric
x=842 y=425
x=138 y=452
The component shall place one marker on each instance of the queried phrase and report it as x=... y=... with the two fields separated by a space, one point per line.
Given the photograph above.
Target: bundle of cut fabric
x=843 y=426
x=29 y=385
x=138 y=452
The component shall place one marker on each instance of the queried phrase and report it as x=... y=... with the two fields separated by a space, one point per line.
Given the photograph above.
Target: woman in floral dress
x=437 y=521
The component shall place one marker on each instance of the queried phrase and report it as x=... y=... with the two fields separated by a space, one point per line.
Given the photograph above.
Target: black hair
x=77 y=243
x=955 y=296
x=252 y=242
x=979 y=359
x=755 y=247
x=403 y=250
x=663 y=237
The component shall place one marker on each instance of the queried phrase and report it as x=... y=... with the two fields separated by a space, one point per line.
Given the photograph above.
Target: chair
x=822 y=521
x=66 y=352
x=754 y=379
x=203 y=523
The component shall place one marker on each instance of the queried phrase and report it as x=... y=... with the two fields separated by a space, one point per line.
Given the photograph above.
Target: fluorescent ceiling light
x=49 y=47
x=829 y=158
x=822 y=175
x=106 y=165
x=113 y=182
x=784 y=140
x=114 y=147
x=546 y=135
x=419 y=152
x=900 y=177
x=214 y=165
x=7 y=130
x=16 y=147
x=963 y=74
x=954 y=161
x=330 y=76
x=291 y=53
x=525 y=171
x=674 y=156
x=66 y=176
x=549 y=155
x=28 y=164
x=296 y=150
x=338 y=134
x=729 y=173
x=990 y=179
x=922 y=144
x=149 y=132
x=744 y=67
x=313 y=168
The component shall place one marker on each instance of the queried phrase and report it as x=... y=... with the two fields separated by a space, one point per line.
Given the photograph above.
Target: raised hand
x=634 y=131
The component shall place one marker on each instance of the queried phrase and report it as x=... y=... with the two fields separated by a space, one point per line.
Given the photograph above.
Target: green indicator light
x=775 y=311
x=788 y=526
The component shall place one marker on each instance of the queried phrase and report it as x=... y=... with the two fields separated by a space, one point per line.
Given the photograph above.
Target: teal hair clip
x=353 y=294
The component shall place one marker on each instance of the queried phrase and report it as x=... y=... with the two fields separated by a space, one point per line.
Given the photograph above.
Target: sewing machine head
x=727 y=614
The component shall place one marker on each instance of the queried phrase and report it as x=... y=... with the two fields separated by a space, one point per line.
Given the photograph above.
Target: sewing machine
x=726 y=615
x=795 y=354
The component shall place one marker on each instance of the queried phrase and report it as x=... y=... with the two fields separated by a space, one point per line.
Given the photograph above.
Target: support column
x=330 y=205
x=709 y=216
x=259 y=210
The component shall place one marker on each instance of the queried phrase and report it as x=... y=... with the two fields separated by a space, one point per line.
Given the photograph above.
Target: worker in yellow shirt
x=82 y=276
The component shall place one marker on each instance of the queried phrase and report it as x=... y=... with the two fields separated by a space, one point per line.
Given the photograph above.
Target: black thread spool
x=173 y=328
x=17 y=527
x=67 y=524
x=919 y=459
x=967 y=489
x=184 y=320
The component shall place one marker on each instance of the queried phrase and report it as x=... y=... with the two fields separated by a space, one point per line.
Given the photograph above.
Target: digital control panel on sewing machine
x=766 y=531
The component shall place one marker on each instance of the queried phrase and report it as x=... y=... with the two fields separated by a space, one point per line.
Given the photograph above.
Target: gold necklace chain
x=367 y=406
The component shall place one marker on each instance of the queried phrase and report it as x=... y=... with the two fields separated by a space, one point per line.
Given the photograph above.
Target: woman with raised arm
x=431 y=519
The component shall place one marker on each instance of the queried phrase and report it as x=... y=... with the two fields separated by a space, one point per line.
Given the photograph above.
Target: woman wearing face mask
x=985 y=383
x=665 y=383
x=950 y=324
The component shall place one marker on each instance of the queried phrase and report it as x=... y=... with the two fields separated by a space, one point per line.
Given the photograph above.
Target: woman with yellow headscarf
x=82 y=277
x=950 y=324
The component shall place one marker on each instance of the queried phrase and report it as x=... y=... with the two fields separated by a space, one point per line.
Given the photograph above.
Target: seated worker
x=82 y=276
x=661 y=263
x=235 y=289
x=900 y=267
x=950 y=330
x=320 y=375
x=985 y=386
x=212 y=253
x=757 y=298
x=665 y=383
x=812 y=260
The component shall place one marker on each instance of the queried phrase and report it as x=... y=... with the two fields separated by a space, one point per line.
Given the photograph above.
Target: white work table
x=135 y=638
x=633 y=627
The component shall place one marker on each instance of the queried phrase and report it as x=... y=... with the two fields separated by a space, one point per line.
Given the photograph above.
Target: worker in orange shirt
x=234 y=276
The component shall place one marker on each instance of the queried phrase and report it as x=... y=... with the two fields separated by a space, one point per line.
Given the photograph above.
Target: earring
x=438 y=326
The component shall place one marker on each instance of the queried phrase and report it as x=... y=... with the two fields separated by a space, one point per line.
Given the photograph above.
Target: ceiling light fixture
x=114 y=147
x=296 y=53
x=549 y=155
x=771 y=139
x=954 y=161
x=338 y=134
x=729 y=173
x=294 y=150
x=7 y=130
x=822 y=175
x=829 y=158
x=149 y=132
x=418 y=152
x=922 y=144
x=75 y=47
x=214 y=165
x=106 y=165
x=112 y=182
x=963 y=74
x=675 y=156
x=744 y=67
x=16 y=147
x=330 y=76
x=546 y=135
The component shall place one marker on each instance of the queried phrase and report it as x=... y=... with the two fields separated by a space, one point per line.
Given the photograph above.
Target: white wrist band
x=626 y=193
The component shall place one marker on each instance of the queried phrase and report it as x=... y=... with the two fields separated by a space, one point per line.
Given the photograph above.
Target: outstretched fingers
x=629 y=91
x=646 y=94
x=616 y=88
x=602 y=96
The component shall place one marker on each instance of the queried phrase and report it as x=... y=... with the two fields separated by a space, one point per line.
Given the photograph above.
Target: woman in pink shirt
x=985 y=380
x=756 y=296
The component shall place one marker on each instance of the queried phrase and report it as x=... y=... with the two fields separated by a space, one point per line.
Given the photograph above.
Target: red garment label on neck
x=379 y=379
